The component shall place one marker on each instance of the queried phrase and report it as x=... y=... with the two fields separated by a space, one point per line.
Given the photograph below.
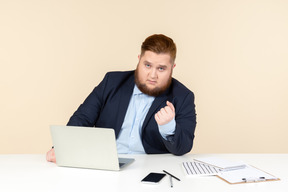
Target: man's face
x=154 y=73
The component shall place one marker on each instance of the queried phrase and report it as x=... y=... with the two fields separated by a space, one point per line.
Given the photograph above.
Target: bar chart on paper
x=194 y=168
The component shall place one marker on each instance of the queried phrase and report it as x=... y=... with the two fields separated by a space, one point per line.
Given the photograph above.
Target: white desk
x=33 y=173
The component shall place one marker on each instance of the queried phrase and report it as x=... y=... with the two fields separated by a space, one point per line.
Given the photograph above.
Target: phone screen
x=153 y=178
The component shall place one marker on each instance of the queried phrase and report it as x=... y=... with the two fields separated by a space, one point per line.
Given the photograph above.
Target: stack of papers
x=210 y=166
x=223 y=164
x=232 y=172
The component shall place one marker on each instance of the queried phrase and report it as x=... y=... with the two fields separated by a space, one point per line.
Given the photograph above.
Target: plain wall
x=232 y=54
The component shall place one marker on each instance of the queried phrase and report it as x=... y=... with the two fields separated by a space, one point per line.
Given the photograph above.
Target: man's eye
x=148 y=65
x=161 y=69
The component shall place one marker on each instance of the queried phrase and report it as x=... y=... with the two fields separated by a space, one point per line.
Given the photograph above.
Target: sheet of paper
x=194 y=168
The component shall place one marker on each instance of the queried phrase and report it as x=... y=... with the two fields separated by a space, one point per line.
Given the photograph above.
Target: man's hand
x=50 y=156
x=166 y=114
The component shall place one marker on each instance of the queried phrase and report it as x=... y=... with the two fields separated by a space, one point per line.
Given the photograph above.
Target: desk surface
x=33 y=173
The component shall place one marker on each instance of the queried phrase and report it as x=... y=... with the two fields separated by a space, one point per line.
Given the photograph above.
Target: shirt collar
x=136 y=91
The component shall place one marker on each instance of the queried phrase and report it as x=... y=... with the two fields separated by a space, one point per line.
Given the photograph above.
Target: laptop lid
x=86 y=147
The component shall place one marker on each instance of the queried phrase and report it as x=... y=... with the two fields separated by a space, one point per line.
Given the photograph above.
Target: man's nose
x=153 y=73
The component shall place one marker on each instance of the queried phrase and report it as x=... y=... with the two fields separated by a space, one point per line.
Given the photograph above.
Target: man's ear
x=174 y=65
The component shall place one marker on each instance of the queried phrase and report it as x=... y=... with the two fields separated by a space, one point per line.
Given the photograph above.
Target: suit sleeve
x=185 y=116
x=88 y=112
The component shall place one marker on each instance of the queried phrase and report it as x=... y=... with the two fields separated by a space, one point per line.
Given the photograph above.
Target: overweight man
x=150 y=111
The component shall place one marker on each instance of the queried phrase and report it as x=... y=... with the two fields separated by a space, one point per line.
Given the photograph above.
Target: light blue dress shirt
x=129 y=140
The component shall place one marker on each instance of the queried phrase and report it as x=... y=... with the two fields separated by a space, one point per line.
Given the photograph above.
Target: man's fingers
x=169 y=109
x=50 y=156
x=157 y=117
x=169 y=104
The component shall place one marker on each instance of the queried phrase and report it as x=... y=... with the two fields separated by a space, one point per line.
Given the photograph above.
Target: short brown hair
x=159 y=43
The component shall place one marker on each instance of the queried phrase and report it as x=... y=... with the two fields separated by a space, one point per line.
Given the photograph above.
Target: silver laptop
x=86 y=147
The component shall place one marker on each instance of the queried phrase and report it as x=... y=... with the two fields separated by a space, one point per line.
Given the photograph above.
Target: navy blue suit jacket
x=106 y=107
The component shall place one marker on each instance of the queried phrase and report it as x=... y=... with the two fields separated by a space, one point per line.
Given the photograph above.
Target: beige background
x=232 y=54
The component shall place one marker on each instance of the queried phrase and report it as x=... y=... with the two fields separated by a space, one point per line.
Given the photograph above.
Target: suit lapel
x=125 y=96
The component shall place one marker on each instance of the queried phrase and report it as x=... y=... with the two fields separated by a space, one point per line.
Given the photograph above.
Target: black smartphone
x=153 y=178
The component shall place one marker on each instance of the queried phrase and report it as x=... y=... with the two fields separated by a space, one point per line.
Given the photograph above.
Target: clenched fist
x=166 y=114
